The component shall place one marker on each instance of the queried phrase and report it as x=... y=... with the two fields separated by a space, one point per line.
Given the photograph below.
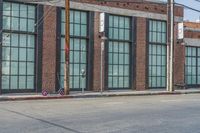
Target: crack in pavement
x=44 y=121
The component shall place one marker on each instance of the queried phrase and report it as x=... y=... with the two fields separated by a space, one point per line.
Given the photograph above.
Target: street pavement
x=132 y=114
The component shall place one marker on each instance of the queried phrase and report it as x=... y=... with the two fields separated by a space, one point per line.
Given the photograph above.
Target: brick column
x=179 y=60
x=141 y=55
x=97 y=55
x=49 y=49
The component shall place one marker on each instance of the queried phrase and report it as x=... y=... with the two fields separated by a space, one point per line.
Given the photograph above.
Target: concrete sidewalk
x=89 y=94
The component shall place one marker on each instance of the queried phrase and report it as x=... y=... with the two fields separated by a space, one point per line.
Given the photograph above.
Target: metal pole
x=171 y=44
x=67 y=47
x=102 y=49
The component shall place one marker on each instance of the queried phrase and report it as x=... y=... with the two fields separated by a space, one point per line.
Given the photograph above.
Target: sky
x=189 y=14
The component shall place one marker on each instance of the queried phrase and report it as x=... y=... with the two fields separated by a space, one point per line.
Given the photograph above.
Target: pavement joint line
x=94 y=95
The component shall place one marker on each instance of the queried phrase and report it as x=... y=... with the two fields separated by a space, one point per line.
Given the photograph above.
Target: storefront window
x=78 y=48
x=157 y=54
x=18 y=46
x=119 y=52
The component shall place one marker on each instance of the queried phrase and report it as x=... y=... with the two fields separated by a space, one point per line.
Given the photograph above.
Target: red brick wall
x=97 y=55
x=179 y=60
x=141 y=48
x=49 y=49
x=136 y=5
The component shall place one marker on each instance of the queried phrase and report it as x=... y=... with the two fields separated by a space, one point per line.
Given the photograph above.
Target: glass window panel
x=31 y=12
x=14 y=54
x=126 y=70
x=76 y=57
x=22 y=40
x=83 y=30
x=110 y=70
x=77 y=82
x=30 y=82
x=77 y=30
x=5 y=68
x=14 y=82
x=31 y=25
x=110 y=82
x=116 y=21
x=5 y=82
x=6 y=8
x=116 y=33
x=23 y=10
x=127 y=35
x=5 y=53
x=126 y=48
x=22 y=82
x=115 y=82
x=121 y=70
x=115 y=59
x=127 y=22
x=30 y=41
x=22 y=68
x=30 y=54
x=121 y=58
x=76 y=69
x=6 y=39
x=63 y=29
x=121 y=22
x=121 y=34
x=23 y=24
x=15 y=9
x=14 y=68
x=14 y=40
x=22 y=54
x=83 y=18
x=77 y=17
x=121 y=47
x=15 y=24
x=6 y=22
x=83 y=57
x=62 y=71
x=71 y=16
x=121 y=82
x=126 y=58
x=159 y=26
x=163 y=27
x=30 y=68
x=110 y=21
x=110 y=32
x=126 y=82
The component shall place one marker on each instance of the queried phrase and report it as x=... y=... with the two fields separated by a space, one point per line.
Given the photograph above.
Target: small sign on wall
x=180 y=31
x=102 y=22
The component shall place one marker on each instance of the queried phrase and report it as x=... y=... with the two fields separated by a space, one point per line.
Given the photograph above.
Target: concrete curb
x=88 y=95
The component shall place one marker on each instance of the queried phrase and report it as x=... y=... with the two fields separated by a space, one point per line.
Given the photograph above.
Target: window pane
x=15 y=9
x=15 y=24
x=6 y=22
x=23 y=11
x=23 y=24
x=14 y=82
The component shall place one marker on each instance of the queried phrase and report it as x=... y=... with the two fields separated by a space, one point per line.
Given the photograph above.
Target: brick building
x=135 y=55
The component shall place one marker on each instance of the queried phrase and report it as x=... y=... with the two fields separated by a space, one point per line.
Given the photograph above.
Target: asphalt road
x=138 y=114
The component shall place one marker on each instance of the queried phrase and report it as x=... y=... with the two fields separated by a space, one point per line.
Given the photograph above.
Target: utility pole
x=67 y=48
x=170 y=45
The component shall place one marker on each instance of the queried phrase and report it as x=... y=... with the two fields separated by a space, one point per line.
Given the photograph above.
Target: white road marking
x=181 y=100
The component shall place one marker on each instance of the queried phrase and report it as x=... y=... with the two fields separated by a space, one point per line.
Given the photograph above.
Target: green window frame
x=78 y=48
x=119 y=41
x=192 y=66
x=157 y=54
x=18 y=46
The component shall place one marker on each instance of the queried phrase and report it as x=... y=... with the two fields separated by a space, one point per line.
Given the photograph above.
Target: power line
x=188 y=7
